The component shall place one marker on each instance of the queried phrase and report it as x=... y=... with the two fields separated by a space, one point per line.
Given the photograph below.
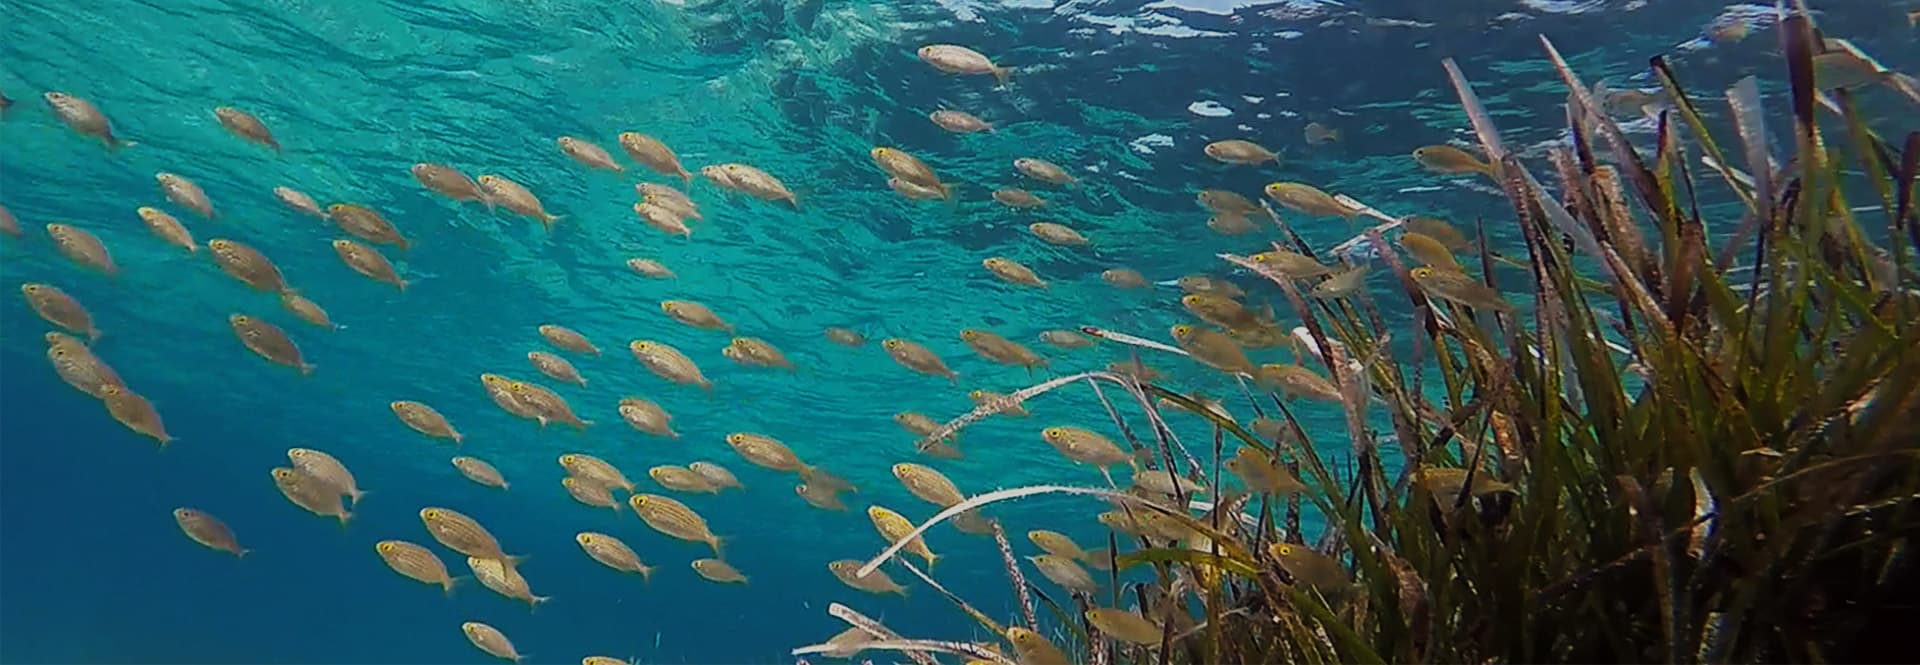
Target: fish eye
x=385 y=547
x=431 y=514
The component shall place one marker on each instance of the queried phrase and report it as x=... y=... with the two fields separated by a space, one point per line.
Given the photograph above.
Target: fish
x=588 y=154
x=369 y=262
x=1290 y=264
x=567 y=338
x=60 y=309
x=955 y=59
x=79 y=367
x=913 y=356
x=595 y=469
x=135 y=412
x=425 y=420
x=268 y=341
x=311 y=494
x=590 y=493
x=667 y=197
x=917 y=192
x=83 y=117
x=1017 y=198
x=765 y=451
x=646 y=416
x=1231 y=224
x=1429 y=251
x=1164 y=482
x=681 y=479
x=1000 y=349
x=1437 y=229
x=1208 y=285
x=367 y=224
x=1316 y=133
x=463 y=534
x=82 y=247
x=1125 y=626
x=248 y=265
x=1448 y=160
x=663 y=219
x=1261 y=473
x=716 y=474
x=555 y=367
x=1044 y=171
x=1058 y=234
x=1459 y=288
x=167 y=228
x=650 y=268
x=1240 y=151
x=900 y=164
x=1066 y=339
x=971 y=522
x=415 y=563
x=325 y=468
x=1000 y=403
x=959 y=122
x=1294 y=381
x=1012 y=272
x=1084 y=446
x=845 y=337
x=1032 y=649
x=669 y=363
x=502 y=579
x=1056 y=543
x=449 y=182
x=675 y=519
x=1224 y=202
x=694 y=314
x=1307 y=199
x=875 y=582
x=753 y=182
x=1126 y=278
x=820 y=496
x=1312 y=569
x=1212 y=349
x=517 y=198
x=1341 y=284
x=208 y=530
x=491 y=640
x=716 y=570
x=613 y=553
x=654 y=154
x=928 y=484
x=894 y=527
x=8 y=224
x=1222 y=311
x=246 y=126
x=479 y=471
x=756 y=351
x=547 y=406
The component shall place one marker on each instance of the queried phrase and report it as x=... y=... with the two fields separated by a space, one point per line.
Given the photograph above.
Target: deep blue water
x=1124 y=94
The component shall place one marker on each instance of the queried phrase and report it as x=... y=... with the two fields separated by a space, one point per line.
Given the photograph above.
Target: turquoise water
x=92 y=568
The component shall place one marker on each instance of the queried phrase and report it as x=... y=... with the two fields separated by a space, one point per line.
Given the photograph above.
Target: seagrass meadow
x=1698 y=442
x=959 y=332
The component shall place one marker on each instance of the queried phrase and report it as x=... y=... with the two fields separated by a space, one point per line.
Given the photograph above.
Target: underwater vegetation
x=1696 y=442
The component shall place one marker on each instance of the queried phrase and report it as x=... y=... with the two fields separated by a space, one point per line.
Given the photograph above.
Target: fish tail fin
x=93 y=335
x=515 y=561
x=458 y=438
x=306 y=369
x=355 y=496
x=344 y=517
x=242 y=554
x=533 y=603
x=646 y=574
x=716 y=543
x=1002 y=74
x=686 y=176
x=448 y=586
